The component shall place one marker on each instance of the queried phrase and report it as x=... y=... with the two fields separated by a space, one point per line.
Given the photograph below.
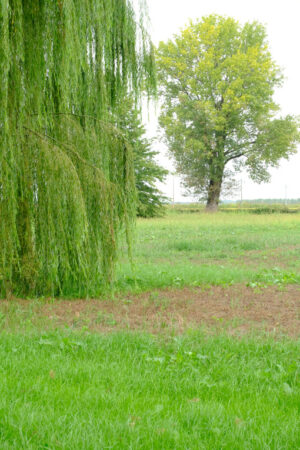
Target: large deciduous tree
x=66 y=173
x=217 y=81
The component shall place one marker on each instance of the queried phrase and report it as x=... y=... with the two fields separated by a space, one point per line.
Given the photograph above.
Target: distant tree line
x=270 y=201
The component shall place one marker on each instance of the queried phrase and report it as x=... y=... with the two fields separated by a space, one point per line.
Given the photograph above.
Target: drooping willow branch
x=60 y=145
x=63 y=65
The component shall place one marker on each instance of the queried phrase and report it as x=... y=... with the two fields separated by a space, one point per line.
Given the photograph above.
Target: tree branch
x=46 y=137
x=234 y=157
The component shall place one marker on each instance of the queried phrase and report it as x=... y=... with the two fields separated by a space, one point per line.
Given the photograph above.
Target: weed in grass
x=235 y=302
x=153 y=296
x=276 y=277
x=127 y=301
x=157 y=299
x=105 y=319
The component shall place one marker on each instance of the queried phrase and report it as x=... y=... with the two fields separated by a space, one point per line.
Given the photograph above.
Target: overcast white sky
x=281 y=19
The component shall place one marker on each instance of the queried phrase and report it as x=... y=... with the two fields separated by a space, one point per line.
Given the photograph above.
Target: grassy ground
x=197 y=249
x=127 y=391
x=74 y=388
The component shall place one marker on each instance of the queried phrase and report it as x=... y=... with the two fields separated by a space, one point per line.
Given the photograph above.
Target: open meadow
x=199 y=249
x=198 y=348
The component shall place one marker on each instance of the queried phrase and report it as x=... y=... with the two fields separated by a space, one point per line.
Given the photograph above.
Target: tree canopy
x=150 y=201
x=217 y=83
x=66 y=172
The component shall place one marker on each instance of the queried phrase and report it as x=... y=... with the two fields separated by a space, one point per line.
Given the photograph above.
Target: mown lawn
x=134 y=391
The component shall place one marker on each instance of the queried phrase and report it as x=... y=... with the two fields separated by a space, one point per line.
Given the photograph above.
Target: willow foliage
x=66 y=173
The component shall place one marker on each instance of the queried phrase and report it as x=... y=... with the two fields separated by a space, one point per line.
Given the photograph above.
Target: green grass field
x=128 y=391
x=69 y=387
x=197 y=249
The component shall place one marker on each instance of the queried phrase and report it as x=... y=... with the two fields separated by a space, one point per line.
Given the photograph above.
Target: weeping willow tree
x=66 y=172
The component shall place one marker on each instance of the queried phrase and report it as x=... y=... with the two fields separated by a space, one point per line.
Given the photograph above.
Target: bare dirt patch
x=236 y=309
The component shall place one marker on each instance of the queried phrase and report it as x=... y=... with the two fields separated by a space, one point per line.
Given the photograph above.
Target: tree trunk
x=213 y=197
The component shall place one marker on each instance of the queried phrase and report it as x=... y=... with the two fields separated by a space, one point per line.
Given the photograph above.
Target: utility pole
x=241 y=191
x=173 y=178
x=285 y=194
